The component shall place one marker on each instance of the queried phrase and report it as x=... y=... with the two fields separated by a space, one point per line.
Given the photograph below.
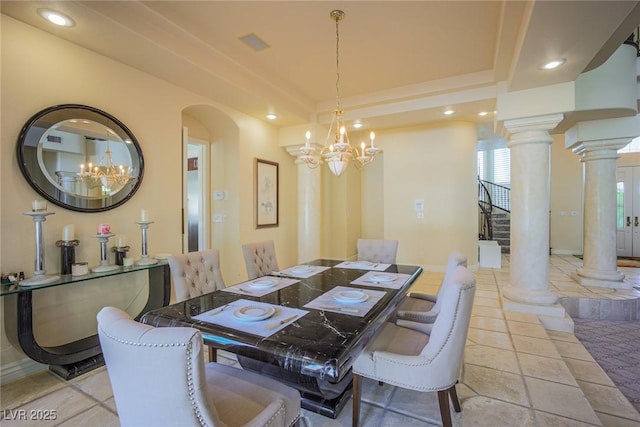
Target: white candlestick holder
x=145 y=260
x=105 y=266
x=40 y=276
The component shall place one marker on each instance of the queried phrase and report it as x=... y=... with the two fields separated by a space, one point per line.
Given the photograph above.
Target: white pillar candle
x=127 y=262
x=122 y=241
x=39 y=205
x=68 y=232
x=144 y=216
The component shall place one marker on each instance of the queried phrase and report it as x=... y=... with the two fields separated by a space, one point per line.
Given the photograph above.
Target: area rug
x=624 y=261
x=628 y=262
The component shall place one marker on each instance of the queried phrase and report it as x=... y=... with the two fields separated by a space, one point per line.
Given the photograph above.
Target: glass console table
x=73 y=358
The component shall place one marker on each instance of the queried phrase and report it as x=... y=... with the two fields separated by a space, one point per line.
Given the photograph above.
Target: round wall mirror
x=80 y=158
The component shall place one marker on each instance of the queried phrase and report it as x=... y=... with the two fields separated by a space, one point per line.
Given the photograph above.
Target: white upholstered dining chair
x=375 y=250
x=196 y=273
x=421 y=307
x=159 y=378
x=260 y=258
x=416 y=361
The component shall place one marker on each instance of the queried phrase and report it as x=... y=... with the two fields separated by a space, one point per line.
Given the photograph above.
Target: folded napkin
x=252 y=317
x=261 y=286
x=301 y=271
x=345 y=300
x=382 y=280
x=363 y=265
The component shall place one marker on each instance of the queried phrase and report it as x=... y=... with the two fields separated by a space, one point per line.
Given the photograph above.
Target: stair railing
x=485 y=226
x=499 y=195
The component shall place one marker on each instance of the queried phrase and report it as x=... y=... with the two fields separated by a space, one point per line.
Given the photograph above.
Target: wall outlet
x=420 y=215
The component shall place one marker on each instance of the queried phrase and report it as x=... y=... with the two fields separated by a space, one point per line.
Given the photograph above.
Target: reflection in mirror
x=80 y=158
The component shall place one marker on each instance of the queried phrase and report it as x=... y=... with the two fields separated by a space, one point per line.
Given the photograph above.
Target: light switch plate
x=219 y=195
x=418 y=205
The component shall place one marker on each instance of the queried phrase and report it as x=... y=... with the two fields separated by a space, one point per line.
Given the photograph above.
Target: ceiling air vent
x=55 y=139
x=254 y=42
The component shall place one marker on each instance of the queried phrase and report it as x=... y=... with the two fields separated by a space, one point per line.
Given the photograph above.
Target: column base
x=526 y=296
x=603 y=279
x=553 y=317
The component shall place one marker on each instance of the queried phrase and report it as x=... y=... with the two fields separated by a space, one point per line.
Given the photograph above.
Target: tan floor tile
x=583 y=370
x=488 y=323
x=25 y=390
x=527 y=329
x=573 y=350
x=487 y=302
x=491 y=357
x=96 y=416
x=66 y=402
x=533 y=345
x=484 y=411
x=487 y=312
x=551 y=420
x=96 y=384
x=560 y=399
x=490 y=338
x=612 y=421
x=546 y=368
x=562 y=336
x=495 y=384
x=522 y=317
x=609 y=400
x=480 y=293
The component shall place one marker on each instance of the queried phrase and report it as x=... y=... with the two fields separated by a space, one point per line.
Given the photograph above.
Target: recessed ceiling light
x=56 y=18
x=271 y=116
x=357 y=125
x=552 y=64
x=448 y=112
x=482 y=113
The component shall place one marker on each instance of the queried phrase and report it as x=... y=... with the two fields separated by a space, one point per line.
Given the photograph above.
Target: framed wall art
x=266 y=190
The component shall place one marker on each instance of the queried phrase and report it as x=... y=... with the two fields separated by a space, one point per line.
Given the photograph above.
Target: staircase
x=501 y=225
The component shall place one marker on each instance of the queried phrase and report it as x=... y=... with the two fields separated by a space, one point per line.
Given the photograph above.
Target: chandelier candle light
x=107 y=174
x=337 y=151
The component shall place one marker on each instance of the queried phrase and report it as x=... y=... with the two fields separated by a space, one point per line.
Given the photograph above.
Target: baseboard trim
x=20 y=369
x=565 y=252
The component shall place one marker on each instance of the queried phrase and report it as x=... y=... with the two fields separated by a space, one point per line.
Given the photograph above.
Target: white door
x=628 y=212
x=195 y=190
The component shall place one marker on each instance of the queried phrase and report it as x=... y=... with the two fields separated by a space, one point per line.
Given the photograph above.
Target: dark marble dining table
x=316 y=351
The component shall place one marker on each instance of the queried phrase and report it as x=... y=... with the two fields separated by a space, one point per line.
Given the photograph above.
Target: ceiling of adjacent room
x=401 y=62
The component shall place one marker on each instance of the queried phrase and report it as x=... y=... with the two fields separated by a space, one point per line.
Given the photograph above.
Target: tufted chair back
x=157 y=374
x=196 y=273
x=412 y=360
x=372 y=250
x=159 y=378
x=260 y=258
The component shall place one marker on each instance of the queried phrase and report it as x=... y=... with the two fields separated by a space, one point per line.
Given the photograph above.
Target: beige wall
x=565 y=229
x=39 y=71
x=437 y=164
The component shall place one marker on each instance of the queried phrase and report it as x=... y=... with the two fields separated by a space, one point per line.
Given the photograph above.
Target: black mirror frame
x=35 y=177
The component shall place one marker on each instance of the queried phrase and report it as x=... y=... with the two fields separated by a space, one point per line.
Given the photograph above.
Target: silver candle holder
x=145 y=260
x=105 y=266
x=40 y=276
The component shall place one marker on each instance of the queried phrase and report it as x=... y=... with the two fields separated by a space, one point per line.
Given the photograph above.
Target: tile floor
x=515 y=373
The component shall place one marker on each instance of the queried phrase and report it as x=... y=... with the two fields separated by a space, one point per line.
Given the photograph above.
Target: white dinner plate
x=263 y=283
x=364 y=264
x=351 y=297
x=252 y=313
x=300 y=269
x=380 y=278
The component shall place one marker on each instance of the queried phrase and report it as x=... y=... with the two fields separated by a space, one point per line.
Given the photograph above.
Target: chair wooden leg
x=355 y=418
x=454 y=398
x=443 y=401
x=213 y=355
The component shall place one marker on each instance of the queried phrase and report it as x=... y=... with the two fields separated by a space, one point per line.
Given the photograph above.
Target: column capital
x=602 y=149
x=537 y=123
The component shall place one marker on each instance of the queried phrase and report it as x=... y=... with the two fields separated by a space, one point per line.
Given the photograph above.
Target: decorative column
x=309 y=207
x=530 y=192
x=600 y=209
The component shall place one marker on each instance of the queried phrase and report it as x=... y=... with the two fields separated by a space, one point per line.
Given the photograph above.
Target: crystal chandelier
x=337 y=151
x=107 y=174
